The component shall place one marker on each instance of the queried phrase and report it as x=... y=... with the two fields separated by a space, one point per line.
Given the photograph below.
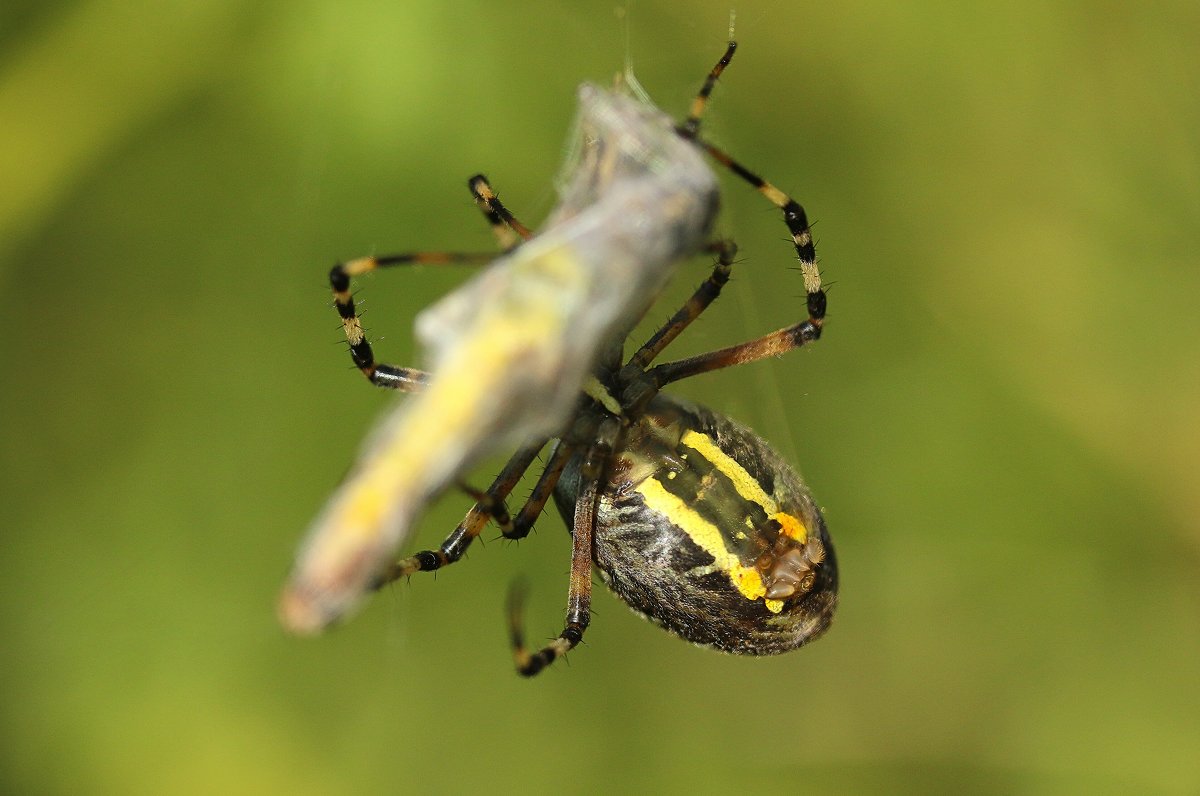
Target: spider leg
x=542 y=490
x=381 y=375
x=579 y=593
x=797 y=224
x=793 y=213
x=506 y=228
x=699 y=301
x=691 y=125
x=770 y=345
x=489 y=504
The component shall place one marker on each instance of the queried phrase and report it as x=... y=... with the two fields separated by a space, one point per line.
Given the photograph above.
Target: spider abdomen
x=704 y=529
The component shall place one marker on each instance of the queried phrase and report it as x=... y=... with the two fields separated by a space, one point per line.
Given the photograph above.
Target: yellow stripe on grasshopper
x=436 y=434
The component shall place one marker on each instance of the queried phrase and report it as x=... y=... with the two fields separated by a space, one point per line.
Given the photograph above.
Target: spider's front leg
x=509 y=233
x=793 y=213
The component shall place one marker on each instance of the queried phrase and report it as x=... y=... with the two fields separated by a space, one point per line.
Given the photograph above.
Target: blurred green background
x=1001 y=420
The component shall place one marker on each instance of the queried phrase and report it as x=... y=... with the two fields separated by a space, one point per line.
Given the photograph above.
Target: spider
x=691 y=518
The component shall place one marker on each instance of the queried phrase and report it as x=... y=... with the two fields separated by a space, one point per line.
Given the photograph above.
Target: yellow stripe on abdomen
x=746 y=485
x=708 y=536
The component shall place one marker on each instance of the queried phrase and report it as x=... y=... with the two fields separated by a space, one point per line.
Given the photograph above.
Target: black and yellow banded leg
x=381 y=375
x=793 y=213
x=699 y=301
x=579 y=593
x=489 y=505
x=508 y=230
x=797 y=224
x=399 y=377
x=691 y=125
